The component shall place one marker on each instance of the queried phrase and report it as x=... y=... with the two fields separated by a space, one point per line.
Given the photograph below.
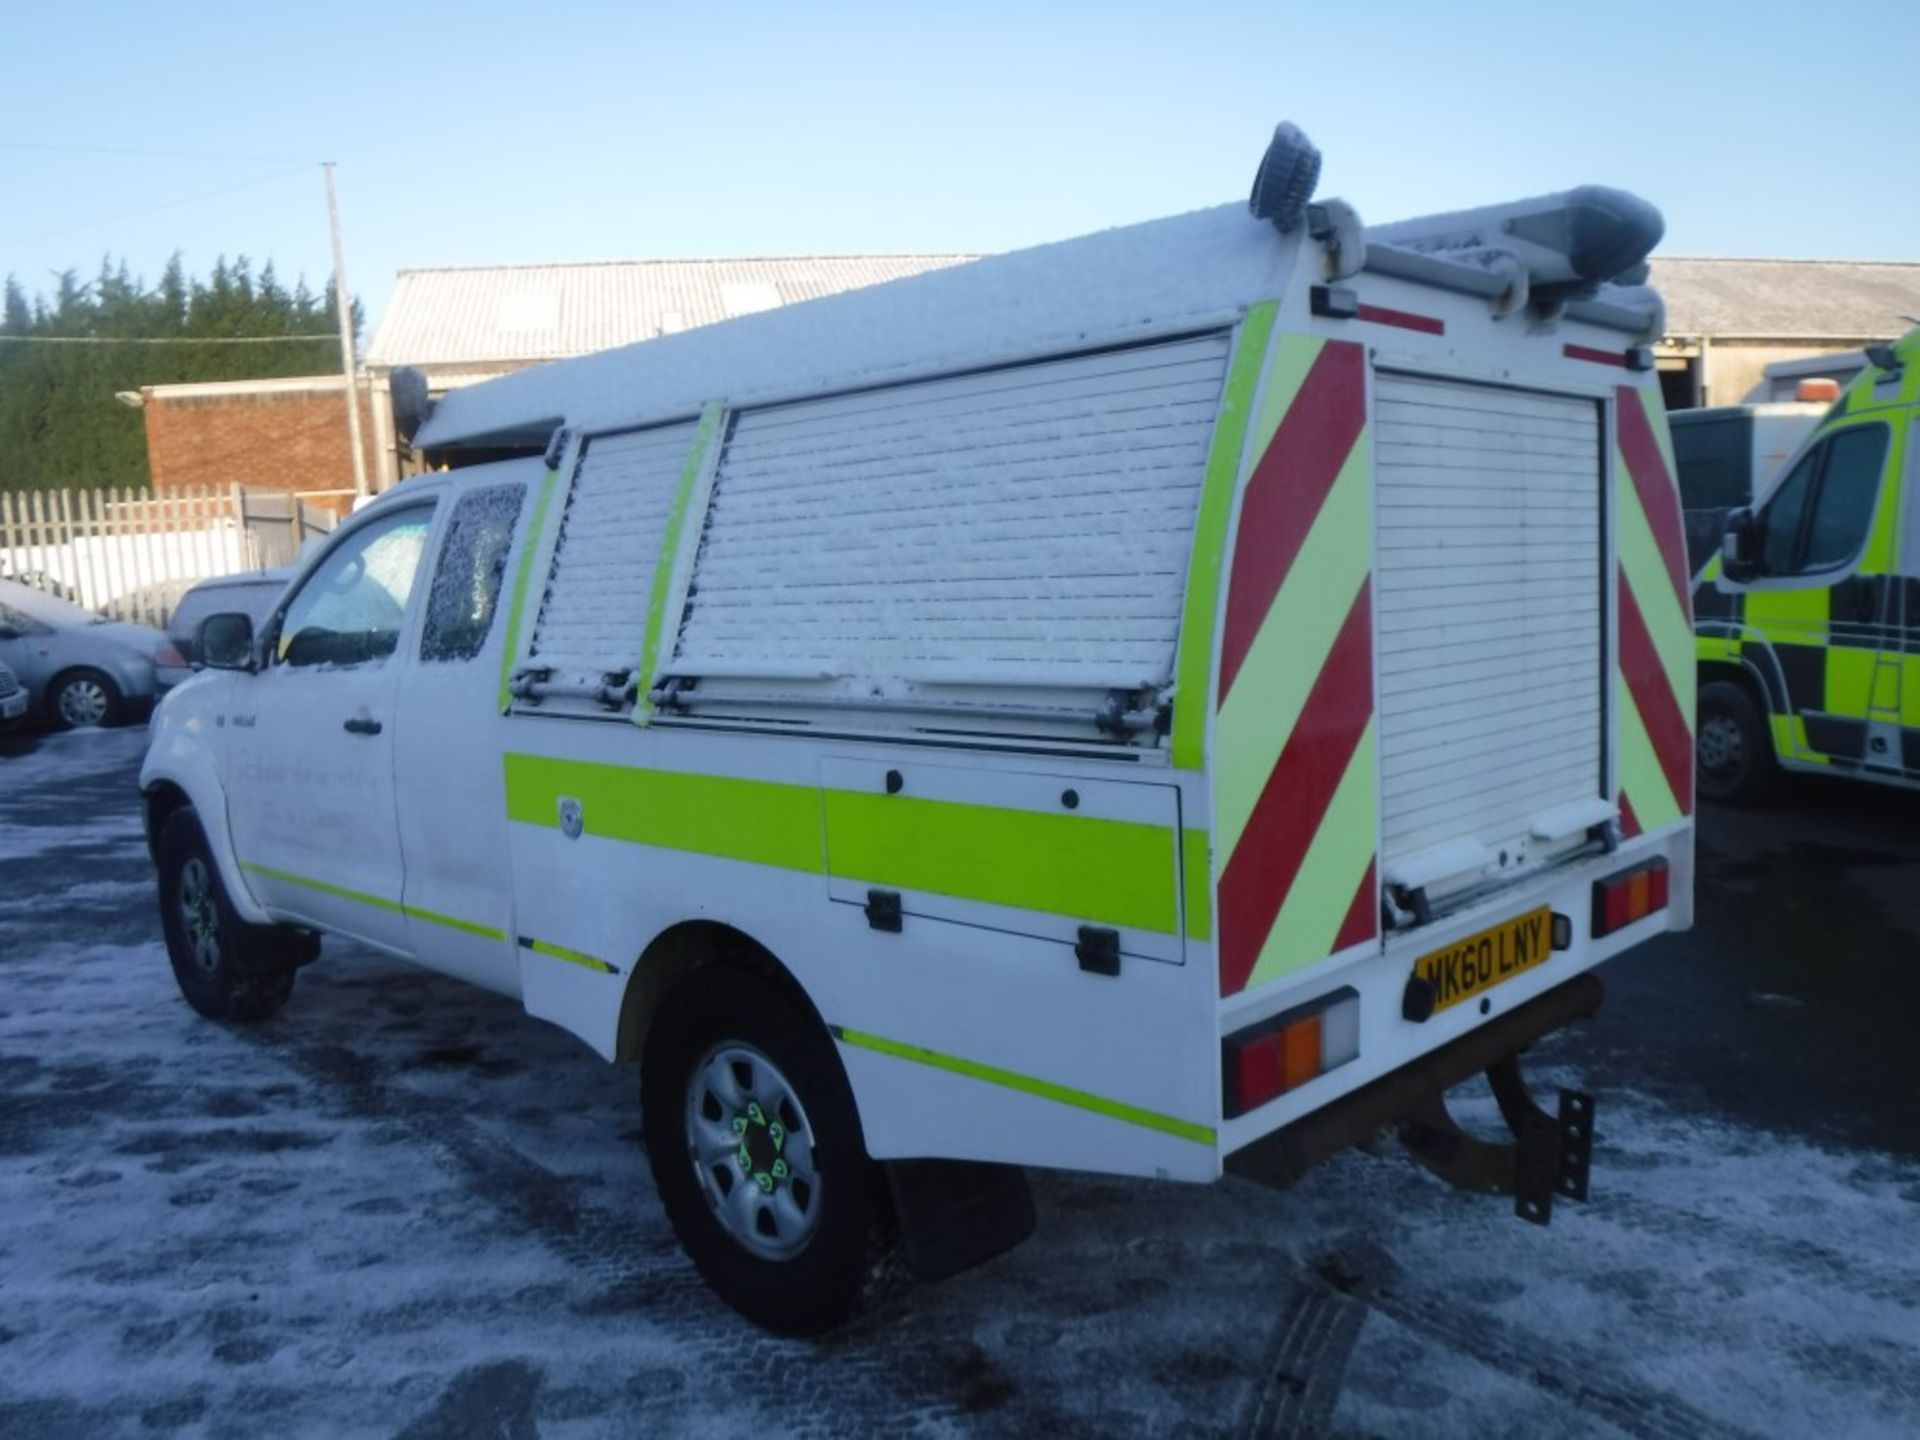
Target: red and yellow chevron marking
x=1295 y=789
x=1655 y=699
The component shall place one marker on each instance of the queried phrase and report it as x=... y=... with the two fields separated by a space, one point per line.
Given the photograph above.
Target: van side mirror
x=226 y=642
x=1737 y=546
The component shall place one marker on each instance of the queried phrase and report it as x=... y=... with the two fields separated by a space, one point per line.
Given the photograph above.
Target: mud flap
x=955 y=1214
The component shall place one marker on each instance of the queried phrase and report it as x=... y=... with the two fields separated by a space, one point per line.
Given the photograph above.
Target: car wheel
x=226 y=968
x=83 y=699
x=1733 y=747
x=756 y=1151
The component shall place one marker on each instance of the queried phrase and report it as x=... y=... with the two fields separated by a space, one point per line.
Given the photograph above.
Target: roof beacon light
x=1572 y=241
x=1819 y=388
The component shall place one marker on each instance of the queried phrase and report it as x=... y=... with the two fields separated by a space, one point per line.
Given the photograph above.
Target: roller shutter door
x=1027 y=526
x=593 y=614
x=1492 y=612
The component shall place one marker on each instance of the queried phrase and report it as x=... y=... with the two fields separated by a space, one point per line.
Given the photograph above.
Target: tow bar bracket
x=1549 y=1155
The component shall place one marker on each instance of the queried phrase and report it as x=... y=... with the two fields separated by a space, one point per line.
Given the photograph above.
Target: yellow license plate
x=1476 y=964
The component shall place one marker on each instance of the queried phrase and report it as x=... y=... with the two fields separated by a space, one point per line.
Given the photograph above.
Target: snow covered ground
x=404 y=1208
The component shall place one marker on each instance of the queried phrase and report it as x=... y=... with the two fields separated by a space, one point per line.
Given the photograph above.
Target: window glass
x=473 y=561
x=1780 y=527
x=1844 y=510
x=15 y=623
x=1714 y=461
x=349 y=610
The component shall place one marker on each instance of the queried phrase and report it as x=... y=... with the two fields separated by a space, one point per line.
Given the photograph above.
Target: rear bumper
x=1284 y=1155
x=1391 y=1038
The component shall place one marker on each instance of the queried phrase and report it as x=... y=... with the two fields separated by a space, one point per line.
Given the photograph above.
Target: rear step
x=1550 y=1156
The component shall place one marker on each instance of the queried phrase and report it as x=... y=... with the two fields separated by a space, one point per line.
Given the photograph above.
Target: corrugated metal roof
x=1850 y=300
x=527 y=313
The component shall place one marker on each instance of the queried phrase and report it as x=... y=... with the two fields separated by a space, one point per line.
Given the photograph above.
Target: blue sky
x=489 y=132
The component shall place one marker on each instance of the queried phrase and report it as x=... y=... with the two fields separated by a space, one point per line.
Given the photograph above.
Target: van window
x=1819 y=515
x=1784 y=515
x=1844 y=510
x=350 y=610
x=466 y=585
x=1714 y=459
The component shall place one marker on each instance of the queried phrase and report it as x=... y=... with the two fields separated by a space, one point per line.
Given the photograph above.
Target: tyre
x=756 y=1151
x=1733 y=746
x=84 y=699
x=226 y=968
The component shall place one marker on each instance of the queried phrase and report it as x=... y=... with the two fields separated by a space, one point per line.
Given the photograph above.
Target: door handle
x=362 y=725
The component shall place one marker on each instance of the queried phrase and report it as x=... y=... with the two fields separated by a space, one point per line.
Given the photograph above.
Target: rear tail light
x=166 y=653
x=1284 y=1051
x=1632 y=895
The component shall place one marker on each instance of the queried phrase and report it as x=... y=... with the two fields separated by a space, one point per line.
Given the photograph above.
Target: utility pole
x=343 y=302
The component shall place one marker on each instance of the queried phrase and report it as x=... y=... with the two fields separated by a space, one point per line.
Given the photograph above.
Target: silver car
x=253 y=593
x=13 y=698
x=78 y=669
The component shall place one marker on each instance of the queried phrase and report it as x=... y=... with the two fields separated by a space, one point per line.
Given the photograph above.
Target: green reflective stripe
x=1196 y=878
x=453 y=922
x=572 y=957
x=1109 y=871
x=339 y=892
x=754 y=820
x=1115 y=871
x=1210 y=538
x=1027 y=1085
x=663 y=562
x=529 y=544
x=360 y=897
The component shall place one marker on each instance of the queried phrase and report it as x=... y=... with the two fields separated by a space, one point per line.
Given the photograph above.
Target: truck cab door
x=452 y=796
x=1905 y=641
x=310 y=782
x=1821 y=604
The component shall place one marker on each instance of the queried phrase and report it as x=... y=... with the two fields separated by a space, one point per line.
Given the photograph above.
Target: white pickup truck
x=1167 y=702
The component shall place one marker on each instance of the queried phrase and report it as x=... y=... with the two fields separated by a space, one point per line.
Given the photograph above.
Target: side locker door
x=310 y=793
x=449 y=782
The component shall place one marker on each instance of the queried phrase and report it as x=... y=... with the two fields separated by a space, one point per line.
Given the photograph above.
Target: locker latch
x=1098 y=951
x=883 y=910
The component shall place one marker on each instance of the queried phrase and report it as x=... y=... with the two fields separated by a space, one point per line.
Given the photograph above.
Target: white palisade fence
x=131 y=554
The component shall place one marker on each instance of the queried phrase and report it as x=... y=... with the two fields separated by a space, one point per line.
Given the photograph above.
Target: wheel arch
x=1743 y=673
x=679 y=950
x=177 y=777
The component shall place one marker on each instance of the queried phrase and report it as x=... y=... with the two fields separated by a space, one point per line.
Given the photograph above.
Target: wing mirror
x=226 y=642
x=1739 y=546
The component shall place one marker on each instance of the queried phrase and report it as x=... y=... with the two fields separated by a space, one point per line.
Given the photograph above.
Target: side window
x=466 y=584
x=1784 y=514
x=1843 y=513
x=349 y=610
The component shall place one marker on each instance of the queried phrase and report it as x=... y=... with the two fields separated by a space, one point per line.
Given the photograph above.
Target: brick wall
x=275 y=439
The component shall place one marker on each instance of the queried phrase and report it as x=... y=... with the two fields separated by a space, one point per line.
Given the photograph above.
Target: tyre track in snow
x=1363 y=1275
x=816 y=1388
x=1806 y=1260
x=1304 y=1366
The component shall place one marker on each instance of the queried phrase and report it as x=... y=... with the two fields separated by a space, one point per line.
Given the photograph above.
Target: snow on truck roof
x=1196 y=269
x=1198 y=266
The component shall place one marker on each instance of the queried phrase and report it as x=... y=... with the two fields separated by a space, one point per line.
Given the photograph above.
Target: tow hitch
x=1548 y=1156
